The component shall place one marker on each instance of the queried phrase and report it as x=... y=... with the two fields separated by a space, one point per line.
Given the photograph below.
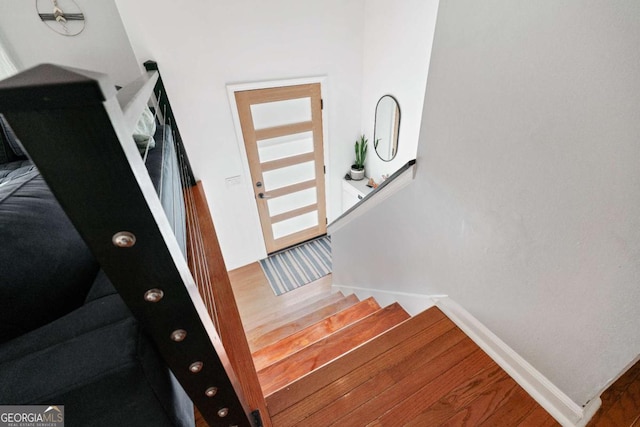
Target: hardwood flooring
x=296 y=365
x=258 y=304
x=620 y=402
x=422 y=372
x=295 y=341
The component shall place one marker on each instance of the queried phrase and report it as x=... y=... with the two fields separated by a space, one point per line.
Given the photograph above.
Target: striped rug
x=297 y=266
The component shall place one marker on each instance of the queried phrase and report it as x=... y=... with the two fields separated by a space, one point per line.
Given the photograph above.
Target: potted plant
x=357 y=169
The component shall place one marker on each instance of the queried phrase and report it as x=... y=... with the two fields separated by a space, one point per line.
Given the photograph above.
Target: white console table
x=353 y=192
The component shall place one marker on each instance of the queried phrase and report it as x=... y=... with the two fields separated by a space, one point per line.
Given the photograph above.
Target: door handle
x=264 y=196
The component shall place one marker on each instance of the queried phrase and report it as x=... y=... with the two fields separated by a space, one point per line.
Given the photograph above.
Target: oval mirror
x=386 y=128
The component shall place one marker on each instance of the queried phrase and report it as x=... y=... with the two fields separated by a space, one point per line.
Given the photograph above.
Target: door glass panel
x=295 y=224
x=270 y=114
x=285 y=146
x=292 y=201
x=289 y=175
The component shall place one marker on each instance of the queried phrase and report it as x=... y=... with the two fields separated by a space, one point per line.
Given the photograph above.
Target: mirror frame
x=397 y=134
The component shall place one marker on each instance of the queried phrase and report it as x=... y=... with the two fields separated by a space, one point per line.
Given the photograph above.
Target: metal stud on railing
x=178 y=335
x=211 y=391
x=153 y=295
x=123 y=239
x=223 y=412
x=196 y=367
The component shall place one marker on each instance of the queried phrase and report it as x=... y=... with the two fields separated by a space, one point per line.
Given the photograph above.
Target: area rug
x=299 y=265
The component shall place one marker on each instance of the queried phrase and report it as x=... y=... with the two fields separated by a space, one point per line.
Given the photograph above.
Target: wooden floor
x=414 y=375
x=621 y=402
x=411 y=376
x=258 y=304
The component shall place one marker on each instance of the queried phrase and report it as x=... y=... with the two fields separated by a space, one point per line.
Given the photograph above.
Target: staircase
x=335 y=360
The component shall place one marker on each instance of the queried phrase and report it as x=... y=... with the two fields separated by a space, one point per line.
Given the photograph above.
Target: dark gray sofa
x=66 y=337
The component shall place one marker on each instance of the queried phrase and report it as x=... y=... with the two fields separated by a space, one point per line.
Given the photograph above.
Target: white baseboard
x=412 y=303
x=559 y=405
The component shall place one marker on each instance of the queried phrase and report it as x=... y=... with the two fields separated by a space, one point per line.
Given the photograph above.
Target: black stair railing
x=74 y=128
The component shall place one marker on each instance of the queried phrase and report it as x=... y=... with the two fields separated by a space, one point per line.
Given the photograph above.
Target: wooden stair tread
x=380 y=347
x=287 y=370
x=491 y=378
x=357 y=384
x=295 y=342
x=279 y=350
x=483 y=406
x=256 y=299
x=269 y=314
x=411 y=376
x=305 y=316
x=272 y=321
x=425 y=371
x=511 y=414
x=431 y=389
x=404 y=380
x=539 y=417
x=362 y=385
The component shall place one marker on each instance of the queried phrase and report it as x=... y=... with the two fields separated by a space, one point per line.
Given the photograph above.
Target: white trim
x=263 y=84
x=238 y=87
x=412 y=303
x=550 y=397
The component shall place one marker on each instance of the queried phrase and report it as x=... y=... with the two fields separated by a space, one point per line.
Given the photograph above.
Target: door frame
x=247 y=184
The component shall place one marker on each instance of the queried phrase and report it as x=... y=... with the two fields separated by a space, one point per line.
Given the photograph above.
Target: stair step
x=256 y=299
x=410 y=384
x=271 y=315
x=289 y=369
x=279 y=350
x=304 y=316
x=308 y=394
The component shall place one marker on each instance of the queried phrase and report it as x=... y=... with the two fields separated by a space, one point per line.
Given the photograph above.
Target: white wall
x=397 y=47
x=201 y=46
x=7 y=63
x=102 y=46
x=526 y=204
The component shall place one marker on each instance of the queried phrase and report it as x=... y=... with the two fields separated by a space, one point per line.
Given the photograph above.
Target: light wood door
x=282 y=132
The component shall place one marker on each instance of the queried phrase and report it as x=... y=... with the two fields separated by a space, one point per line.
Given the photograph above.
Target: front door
x=282 y=132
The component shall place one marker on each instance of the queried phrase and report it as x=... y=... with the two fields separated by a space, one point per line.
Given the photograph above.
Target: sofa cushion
x=97 y=362
x=101 y=287
x=45 y=267
x=90 y=317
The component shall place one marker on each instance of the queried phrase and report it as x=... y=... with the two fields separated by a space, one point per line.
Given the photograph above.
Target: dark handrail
x=375 y=191
x=163 y=99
